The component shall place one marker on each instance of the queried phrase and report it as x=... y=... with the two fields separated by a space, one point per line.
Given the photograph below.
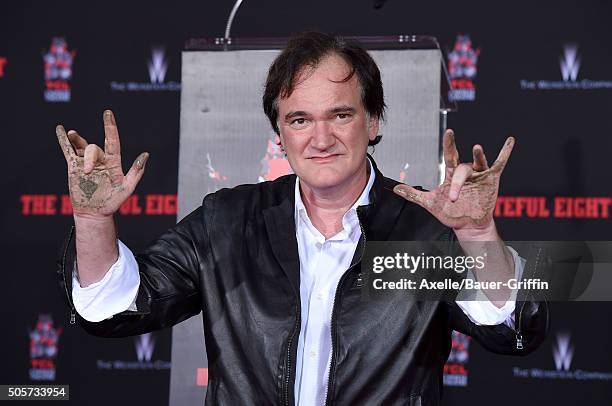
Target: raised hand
x=95 y=176
x=466 y=198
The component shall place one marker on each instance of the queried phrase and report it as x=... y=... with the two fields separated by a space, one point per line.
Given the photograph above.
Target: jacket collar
x=280 y=225
x=380 y=216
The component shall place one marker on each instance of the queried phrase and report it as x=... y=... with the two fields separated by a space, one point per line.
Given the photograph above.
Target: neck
x=326 y=207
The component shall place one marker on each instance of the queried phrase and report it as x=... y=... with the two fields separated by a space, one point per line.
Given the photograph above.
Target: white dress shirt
x=322 y=263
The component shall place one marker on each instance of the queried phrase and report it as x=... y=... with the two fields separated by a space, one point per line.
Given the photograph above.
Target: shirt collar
x=364 y=199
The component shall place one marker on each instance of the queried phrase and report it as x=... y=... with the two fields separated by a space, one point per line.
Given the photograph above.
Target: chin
x=323 y=178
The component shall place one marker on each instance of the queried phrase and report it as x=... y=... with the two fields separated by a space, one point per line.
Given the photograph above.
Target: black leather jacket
x=235 y=259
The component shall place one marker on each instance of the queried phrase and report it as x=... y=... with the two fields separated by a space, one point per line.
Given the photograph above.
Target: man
x=276 y=267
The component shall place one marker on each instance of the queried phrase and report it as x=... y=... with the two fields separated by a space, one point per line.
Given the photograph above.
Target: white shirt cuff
x=483 y=312
x=115 y=293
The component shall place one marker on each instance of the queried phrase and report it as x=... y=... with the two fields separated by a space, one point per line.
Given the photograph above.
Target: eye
x=299 y=123
x=344 y=117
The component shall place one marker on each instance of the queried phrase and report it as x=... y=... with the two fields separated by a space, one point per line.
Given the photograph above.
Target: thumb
x=412 y=195
x=136 y=171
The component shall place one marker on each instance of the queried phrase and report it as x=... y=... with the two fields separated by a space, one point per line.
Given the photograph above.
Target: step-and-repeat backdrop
x=540 y=72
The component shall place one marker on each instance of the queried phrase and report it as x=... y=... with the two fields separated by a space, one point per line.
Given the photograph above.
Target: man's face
x=323 y=125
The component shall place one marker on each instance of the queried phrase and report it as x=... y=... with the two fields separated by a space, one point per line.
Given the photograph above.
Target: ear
x=372 y=128
x=280 y=138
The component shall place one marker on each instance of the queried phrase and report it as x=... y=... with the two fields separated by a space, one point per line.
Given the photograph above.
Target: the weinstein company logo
x=145 y=346
x=157 y=66
x=58 y=71
x=569 y=65
x=44 y=340
x=562 y=354
x=462 y=69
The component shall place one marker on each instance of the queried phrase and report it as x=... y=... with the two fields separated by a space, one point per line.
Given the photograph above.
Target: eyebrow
x=342 y=109
x=292 y=114
x=335 y=110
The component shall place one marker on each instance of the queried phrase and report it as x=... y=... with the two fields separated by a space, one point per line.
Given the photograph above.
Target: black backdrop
x=563 y=151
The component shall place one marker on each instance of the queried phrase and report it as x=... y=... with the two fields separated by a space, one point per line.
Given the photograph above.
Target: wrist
x=91 y=218
x=95 y=226
x=485 y=233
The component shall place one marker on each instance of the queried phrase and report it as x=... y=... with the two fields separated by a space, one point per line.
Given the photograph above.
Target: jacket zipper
x=519 y=336
x=332 y=366
x=72 y=309
x=288 y=362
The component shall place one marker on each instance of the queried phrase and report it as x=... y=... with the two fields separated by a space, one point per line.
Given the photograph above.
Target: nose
x=323 y=136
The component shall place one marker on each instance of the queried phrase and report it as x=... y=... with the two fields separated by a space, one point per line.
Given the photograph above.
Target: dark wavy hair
x=307 y=50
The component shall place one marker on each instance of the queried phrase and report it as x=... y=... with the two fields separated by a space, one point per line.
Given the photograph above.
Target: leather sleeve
x=169 y=290
x=531 y=318
x=500 y=338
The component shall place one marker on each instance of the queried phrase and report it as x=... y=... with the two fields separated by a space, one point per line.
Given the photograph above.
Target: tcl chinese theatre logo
x=44 y=339
x=462 y=69
x=58 y=71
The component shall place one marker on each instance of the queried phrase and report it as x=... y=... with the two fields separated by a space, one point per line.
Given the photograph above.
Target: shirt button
x=312 y=354
x=318 y=245
x=320 y=296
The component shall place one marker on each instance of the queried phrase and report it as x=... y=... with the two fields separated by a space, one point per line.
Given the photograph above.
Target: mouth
x=324 y=158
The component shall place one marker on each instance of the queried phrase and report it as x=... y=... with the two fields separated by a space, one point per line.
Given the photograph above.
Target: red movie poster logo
x=565 y=207
x=562 y=207
x=135 y=205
